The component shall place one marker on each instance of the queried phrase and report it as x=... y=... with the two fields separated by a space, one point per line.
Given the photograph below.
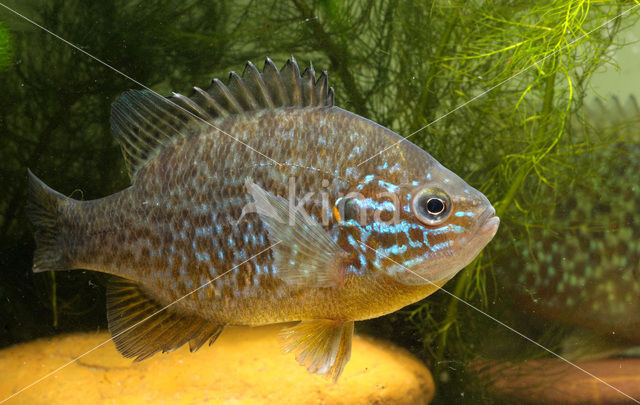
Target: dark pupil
x=435 y=206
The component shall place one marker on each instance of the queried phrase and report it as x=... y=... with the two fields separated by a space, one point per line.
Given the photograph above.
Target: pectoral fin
x=322 y=345
x=305 y=254
x=140 y=326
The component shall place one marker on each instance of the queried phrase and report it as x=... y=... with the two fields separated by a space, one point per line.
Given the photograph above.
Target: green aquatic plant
x=519 y=131
x=5 y=47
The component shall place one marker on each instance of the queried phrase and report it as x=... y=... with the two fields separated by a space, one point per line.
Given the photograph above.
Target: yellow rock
x=244 y=366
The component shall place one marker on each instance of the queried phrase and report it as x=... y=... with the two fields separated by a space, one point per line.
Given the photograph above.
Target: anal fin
x=140 y=326
x=321 y=345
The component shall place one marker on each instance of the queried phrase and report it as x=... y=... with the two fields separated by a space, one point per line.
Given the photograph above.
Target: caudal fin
x=43 y=211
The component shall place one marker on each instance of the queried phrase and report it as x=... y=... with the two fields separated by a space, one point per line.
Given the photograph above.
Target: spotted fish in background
x=248 y=206
x=585 y=268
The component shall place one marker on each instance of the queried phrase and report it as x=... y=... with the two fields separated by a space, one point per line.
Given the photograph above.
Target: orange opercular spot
x=336 y=214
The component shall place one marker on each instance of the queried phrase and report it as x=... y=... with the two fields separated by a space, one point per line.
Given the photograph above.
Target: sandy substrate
x=245 y=366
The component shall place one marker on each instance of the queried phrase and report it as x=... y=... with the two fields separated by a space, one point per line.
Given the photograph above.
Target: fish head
x=435 y=227
x=453 y=222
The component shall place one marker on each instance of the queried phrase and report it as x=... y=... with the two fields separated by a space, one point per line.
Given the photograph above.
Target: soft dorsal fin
x=143 y=122
x=140 y=326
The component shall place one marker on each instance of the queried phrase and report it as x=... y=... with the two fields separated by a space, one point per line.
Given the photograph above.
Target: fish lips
x=489 y=224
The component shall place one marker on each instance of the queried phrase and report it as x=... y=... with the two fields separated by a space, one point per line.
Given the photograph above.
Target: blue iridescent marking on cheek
x=429 y=176
x=416 y=260
x=376 y=262
x=416 y=243
x=446 y=229
x=442 y=245
x=363 y=260
x=460 y=214
x=396 y=250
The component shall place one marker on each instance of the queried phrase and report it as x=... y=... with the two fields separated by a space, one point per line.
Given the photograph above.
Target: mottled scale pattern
x=585 y=267
x=192 y=194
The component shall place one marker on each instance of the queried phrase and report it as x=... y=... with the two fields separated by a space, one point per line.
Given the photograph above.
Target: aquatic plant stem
x=429 y=88
x=451 y=313
x=521 y=175
x=336 y=54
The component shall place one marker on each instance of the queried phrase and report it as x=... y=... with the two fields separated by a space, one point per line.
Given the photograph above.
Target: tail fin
x=42 y=210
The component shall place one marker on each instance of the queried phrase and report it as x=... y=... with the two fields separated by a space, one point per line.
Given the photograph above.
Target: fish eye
x=435 y=206
x=431 y=207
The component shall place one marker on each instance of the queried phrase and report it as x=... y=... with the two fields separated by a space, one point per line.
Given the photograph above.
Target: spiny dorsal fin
x=144 y=122
x=139 y=327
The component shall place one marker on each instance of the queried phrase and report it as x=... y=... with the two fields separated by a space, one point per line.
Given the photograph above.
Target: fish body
x=257 y=203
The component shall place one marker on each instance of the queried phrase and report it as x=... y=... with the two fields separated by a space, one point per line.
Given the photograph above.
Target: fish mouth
x=490 y=223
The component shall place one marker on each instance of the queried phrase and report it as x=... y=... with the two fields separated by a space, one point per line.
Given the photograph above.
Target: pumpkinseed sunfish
x=249 y=205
